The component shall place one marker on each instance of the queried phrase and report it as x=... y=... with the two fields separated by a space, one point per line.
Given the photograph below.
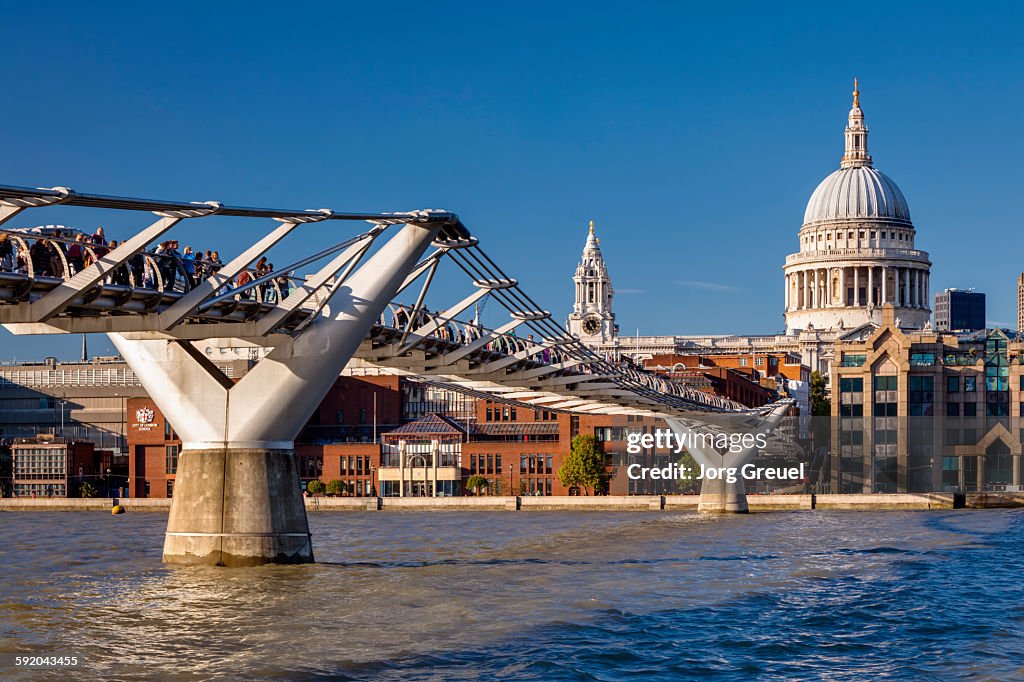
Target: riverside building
x=921 y=410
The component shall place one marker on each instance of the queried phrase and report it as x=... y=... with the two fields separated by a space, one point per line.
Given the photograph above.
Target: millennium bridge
x=236 y=501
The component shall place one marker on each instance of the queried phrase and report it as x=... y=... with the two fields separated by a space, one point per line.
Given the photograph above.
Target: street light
x=62 y=404
x=509 y=479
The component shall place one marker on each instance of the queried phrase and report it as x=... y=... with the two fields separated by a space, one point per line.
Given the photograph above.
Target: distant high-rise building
x=958 y=310
x=1020 y=302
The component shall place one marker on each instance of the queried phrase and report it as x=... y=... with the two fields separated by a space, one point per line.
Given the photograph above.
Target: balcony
x=855 y=254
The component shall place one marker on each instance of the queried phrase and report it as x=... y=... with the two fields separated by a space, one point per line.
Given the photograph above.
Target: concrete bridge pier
x=237 y=507
x=236 y=499
x=721 y=496
x=725 y=493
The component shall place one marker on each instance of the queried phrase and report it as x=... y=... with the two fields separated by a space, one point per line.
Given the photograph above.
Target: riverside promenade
x=624 y=503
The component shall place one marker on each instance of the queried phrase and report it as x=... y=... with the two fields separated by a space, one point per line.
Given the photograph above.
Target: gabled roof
x=432 y=424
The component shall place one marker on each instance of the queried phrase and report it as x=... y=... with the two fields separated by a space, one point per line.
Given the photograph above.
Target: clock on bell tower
x=592 y=318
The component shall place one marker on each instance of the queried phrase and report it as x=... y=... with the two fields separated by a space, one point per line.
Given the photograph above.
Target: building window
x=997 y=410
x=922 y=396
x=952 y=384
x=759 y=362
x=952 y=409
x=970 y=409
x=885 y=396
x=171 y=455
x=743 y=362
x=853 y=360
x=170 y=487
x=851 y=385
x=922 y=359
x=970 y=384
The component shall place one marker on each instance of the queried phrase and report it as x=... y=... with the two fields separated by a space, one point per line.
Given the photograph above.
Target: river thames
x=539 y=596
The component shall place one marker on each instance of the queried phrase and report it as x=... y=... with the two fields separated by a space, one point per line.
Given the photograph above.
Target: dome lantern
x=856 y=154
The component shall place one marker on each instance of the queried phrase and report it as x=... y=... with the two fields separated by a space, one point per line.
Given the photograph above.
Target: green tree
x=87 y=489
x=337 y=487
x=584 y=466
x=821 y=406
x=821 y=413
x=689 y=486
x=476 y=482
x=316 y=487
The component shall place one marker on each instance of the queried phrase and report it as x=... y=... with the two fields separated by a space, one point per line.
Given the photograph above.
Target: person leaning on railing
x=74 y=253
x=6 y=253
x=40 y=254
x=244 y=278
x=284 y=284
x=53 y=249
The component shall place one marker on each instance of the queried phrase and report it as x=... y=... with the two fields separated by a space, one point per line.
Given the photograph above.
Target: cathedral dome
x=857 y=252
x=857 y=193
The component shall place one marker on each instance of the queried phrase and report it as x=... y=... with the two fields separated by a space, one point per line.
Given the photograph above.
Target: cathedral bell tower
x=592 y=318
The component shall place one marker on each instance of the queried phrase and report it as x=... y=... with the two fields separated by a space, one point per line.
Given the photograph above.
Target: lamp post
x=373 y=485
x=62 y=404
x=510 y=492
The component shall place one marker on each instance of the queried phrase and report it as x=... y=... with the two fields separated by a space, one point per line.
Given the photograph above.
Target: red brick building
x=356 y=433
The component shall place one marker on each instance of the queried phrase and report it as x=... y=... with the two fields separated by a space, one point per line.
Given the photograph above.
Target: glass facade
x=944 y=414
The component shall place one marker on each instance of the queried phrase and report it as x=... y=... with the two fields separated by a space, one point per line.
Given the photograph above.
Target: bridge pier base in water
x=237 y=507
x=719 y=496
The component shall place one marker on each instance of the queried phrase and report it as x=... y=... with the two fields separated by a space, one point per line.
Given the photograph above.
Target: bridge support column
x=237 y=500
x=723 y=489
x=719 y=496
x=237 y=507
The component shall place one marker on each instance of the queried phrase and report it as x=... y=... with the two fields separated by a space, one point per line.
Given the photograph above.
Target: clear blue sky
x=692 y=135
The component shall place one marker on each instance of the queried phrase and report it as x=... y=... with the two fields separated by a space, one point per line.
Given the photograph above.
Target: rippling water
x=843 y=596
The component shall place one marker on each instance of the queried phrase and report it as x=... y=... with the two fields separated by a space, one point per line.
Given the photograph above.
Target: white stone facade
x=592 y=318
x=856 y=248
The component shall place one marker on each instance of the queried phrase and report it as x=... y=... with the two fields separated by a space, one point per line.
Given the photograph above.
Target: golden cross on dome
x=856 y=93
x=591 y=227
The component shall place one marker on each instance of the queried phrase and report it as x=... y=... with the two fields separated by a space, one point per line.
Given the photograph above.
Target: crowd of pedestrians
x=164 y=267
